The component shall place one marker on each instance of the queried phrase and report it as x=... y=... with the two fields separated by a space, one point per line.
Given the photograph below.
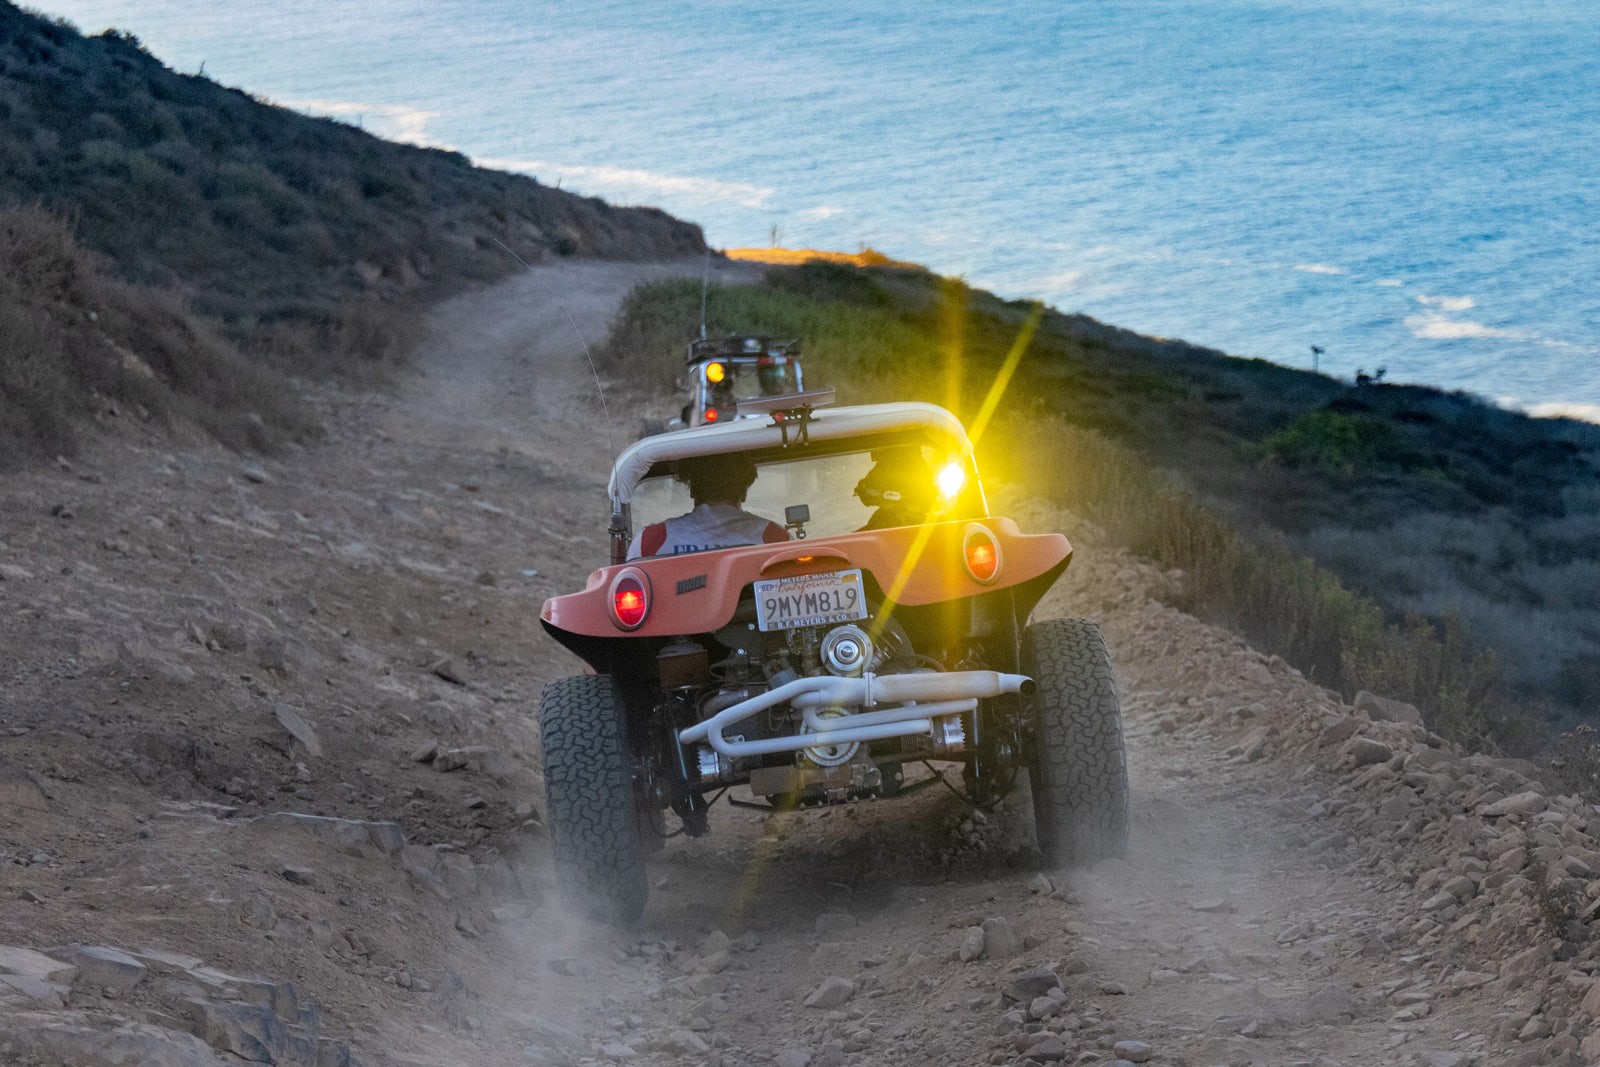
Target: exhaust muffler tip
x=1028 y=687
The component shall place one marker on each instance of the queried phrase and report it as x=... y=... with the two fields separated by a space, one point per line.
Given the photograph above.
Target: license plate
x=810 y=600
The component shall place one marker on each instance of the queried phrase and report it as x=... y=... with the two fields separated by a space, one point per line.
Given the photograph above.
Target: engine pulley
x=847 y=651
x=831 y=755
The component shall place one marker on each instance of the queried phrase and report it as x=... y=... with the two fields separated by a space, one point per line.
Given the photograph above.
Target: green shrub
x=1578 y=682
x=105 y=156
x=252 y=181
x=158 y=185
x=102 y=126
x=177 y=155
x=821 y=280
x=1338 y=442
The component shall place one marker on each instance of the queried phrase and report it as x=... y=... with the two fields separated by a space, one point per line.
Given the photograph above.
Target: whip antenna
x=600 y=388
x=705 y=281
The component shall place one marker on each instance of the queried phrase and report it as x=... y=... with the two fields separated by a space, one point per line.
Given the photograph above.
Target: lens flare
x=951 y=478
x=1002 y=380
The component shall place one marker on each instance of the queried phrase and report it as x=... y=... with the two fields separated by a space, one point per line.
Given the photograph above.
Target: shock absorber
x=686 y=801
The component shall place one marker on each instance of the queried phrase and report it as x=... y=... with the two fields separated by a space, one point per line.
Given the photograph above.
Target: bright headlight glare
x=950 y=480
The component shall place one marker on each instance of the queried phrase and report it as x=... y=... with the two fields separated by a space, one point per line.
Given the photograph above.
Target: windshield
x=842 y=492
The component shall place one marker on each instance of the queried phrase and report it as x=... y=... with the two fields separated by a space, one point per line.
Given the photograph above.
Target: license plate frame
x=810 y=600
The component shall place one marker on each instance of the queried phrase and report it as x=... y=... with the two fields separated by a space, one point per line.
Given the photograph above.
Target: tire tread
x=594 y=830
x=1080 y=771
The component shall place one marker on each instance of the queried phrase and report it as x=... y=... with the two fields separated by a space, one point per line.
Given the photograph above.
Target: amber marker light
x=715 y=372
x=981 y=554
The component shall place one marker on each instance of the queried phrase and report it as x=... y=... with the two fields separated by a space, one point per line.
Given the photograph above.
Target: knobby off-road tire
x=1079 y=770
x=588 y=790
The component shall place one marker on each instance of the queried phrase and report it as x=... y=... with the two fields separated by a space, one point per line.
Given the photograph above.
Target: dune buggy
x=817 y=669
x=723 y=372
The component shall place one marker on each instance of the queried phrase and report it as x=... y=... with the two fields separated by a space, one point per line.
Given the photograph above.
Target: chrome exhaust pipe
x=923 y=694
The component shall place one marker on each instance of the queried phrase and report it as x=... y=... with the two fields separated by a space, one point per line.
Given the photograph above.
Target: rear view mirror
x=795 y=514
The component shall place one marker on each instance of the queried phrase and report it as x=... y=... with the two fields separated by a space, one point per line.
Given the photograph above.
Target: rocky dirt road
x=267 y=761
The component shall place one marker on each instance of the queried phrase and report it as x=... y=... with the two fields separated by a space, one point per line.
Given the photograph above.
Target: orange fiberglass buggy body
x=816 y=670
x=706 y=586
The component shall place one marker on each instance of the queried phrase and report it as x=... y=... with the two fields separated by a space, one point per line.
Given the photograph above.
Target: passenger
x=776 y=376
x=900 y=485
x=717 y=485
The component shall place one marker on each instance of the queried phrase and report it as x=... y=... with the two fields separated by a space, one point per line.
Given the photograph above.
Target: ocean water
x=1409 y=186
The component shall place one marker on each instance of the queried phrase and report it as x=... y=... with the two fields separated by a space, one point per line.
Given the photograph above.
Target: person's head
x=776 y=378
x=717 y=479
x=900 y=480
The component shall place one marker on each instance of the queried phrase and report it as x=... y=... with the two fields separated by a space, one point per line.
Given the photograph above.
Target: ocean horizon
x=1407 y=189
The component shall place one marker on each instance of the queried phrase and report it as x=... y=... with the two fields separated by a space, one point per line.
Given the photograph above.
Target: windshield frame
x=659 y=496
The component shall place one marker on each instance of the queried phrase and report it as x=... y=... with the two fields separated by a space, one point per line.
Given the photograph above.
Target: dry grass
x=77 y=343
x=1283 y=602
x=795 y=257
x=1529 y=590
x=365 y=342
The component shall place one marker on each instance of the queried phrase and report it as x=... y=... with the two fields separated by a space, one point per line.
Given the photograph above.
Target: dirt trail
x=172 y=614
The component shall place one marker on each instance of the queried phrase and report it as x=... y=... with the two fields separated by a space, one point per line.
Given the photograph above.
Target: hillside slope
x=258 y=213
x=268 y=750
x=174 y=252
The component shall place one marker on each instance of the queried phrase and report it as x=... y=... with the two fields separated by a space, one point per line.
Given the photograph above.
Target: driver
x=717 y=485
x=900 y=485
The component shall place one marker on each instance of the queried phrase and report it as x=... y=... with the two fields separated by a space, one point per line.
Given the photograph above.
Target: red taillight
x=630 y=606
x=630 y=598
x=711 y=414
x=981 y=554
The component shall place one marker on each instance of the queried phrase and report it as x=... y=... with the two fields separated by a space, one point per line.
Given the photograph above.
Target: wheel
x=652 y=831
x=588 y=789
x=1079 y=768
